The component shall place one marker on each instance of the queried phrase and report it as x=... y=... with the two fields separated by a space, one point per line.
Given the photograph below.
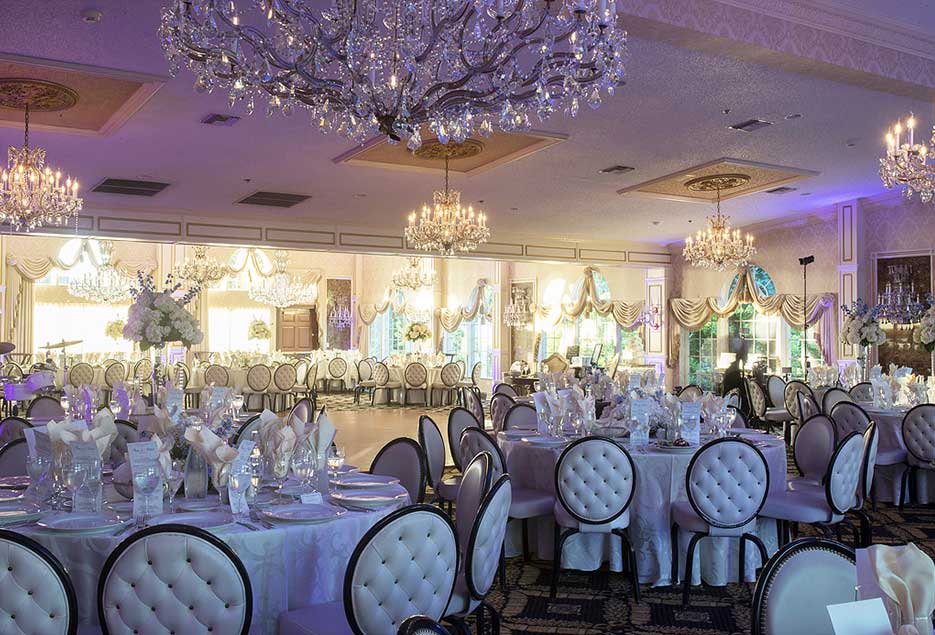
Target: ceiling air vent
x=215 y=119
x=617 y=169
x=129 y=187
x=750 y=125
x=783 y=189
x=273 y=199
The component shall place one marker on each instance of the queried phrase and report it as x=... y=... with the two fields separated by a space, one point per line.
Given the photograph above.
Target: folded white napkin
x=280 y=436
x=215 y=451
x=165 y=452
x=321 y=435
x=102 y=431
x=907 y=576
x=161 y=423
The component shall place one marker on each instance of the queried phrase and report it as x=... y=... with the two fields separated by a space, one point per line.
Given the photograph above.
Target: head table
x=660 y=481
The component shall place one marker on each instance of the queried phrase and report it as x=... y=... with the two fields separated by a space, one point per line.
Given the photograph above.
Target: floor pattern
x=344 y=401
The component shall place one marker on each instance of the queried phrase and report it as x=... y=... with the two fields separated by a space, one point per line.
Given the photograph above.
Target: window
x=702 y=354
x=228 y=328
x=815 y=357
x=764 y=284
x=386 y=335
x=759 y=332
x=598 y=330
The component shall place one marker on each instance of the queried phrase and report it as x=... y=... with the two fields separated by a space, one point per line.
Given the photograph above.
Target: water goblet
x=174 y=476
x=335 y=459
x=74 y=475
x=114 y=406
x=238 y=480
x=237 y=404
x=145 y=482
x=257 y=468
x=280 y=469
x=302 y=466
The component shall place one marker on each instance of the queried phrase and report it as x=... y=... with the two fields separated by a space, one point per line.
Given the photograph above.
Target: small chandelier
x=201 y=270
x=719 y=246
x=280 y=289
x=339 y=316
x=32 y=194
x=517 y=313
x=413 y=277
x=906 y=162
x=446 y=227
x=900 y=302
x=652 y=317
x=104 y=285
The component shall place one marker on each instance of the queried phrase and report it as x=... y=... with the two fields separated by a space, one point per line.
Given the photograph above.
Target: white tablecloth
x=660 y=481
x=887 y=478
x=289 y=567
x=396 y=374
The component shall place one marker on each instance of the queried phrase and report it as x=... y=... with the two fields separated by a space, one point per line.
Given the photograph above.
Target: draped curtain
x=626 y=314
x=369 y=312
x=480 y=302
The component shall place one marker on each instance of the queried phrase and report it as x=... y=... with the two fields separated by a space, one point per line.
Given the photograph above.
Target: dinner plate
x=14 y=482
x=80 y=522
x=367 y=498
x=124 y=509
x=7 y=495
x=516 y=433
x=344 y=469
x=305 y=514
x=204 y=520
x=359 y=480
x=9 y=516
x=199 y=504
x=551 y=442
x=676 y=449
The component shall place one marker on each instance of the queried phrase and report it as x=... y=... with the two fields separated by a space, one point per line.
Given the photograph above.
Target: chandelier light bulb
x=907 y=164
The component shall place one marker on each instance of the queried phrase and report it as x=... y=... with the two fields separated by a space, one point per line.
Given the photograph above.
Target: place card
x=85 y=453
x=38 y=442
x=635 y=380
x=865 y=617
x=691 y=421
x=311 y=498
x=640 y=410
x=142 y=455
x=238 y=503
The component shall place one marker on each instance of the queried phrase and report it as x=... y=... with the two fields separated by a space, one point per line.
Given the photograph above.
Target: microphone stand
x=805 y=262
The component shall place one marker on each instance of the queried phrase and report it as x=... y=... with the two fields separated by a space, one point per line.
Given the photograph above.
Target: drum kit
x=61 y=345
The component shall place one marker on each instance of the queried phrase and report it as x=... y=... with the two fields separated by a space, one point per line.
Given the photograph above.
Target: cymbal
x=62 y=344
x=7 y=347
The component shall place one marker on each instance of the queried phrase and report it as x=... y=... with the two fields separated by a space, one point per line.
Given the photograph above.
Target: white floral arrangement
x=157 y=317
x=114 y=329
x=925 y=332
x=417 y=332
x=259 y=330
x=861 y=326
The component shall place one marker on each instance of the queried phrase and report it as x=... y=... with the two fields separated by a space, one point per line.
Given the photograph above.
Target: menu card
x=238 y=503
x=691 y=421
x=866 y=617
x=635 y=380
x=85 y=453
x=142 y=455
x=640 y=410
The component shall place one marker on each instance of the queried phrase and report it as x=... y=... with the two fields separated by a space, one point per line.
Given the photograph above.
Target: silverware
x=248 y=526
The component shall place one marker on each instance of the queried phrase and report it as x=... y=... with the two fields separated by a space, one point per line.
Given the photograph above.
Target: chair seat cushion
x=777 y=414
x=529 y=503
x=462 y=604
x=803 y=505
x=564 y=519
x=448 y=488
x=391 y=384
x=442 y=387
x=894 y=456
x=319 y=619
x=367 y=383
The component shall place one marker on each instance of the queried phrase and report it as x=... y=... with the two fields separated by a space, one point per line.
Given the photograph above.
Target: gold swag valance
x=369 y=312
x=480 y=302
x=626 y=314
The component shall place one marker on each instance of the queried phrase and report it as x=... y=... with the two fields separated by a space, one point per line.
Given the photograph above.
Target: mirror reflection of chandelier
x=105 y=284
x=517 y=313
x=718 y=247
x=900 y=303
x=281 y=289
x=907 y=163
x=413 y=277
x=339 y=315
x=201 y=270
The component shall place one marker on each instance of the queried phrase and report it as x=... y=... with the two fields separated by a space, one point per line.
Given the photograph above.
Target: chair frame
x=453 y=444
x=329 y=378
x=858 y=385
x=196 y=532
x=831 y=391
x=41 y=399
x=420 y=624
x=423 y=469
x=235 y=438
x=906 y=482
x=519 y=404
x=359 y=388
x=691 y=387
x=18 y=420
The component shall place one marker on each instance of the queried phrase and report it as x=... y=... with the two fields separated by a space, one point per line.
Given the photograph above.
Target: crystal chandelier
x=281 y=289
x=517 y=313
x=447 y=227
x=339 y=316
x=201 y=270
x=379 y=66
x=900 y=303
x=105 y=284
x=719 y=246
x=33 y=194
x=413 y=277
x=906 y=163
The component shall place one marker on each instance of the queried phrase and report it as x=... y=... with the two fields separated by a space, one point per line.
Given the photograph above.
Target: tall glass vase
x=157 y=357
x=863 y=361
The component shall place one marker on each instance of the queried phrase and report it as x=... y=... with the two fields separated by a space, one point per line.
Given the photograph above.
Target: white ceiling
x=667 y=118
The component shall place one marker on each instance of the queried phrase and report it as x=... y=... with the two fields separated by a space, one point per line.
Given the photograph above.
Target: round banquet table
x=660 y=481
x=290 y=566
x=396 y=374
x=236 y=378
x=887 y=478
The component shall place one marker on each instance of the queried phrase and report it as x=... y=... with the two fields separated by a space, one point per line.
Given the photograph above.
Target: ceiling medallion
x=446 y=227
x=32 y=194
x=906 y=162
x=719 y=246
x=367 y=67
x=435 y=150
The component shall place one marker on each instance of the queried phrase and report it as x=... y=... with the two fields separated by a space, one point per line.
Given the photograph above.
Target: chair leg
x=494 y=618
x=559 y=544
x=630 y=557
x=502 y=569
x=674 y=580
x=866 y=529
x=525 y=529
x=689 y=562
x=743 y=561
x=481 y=622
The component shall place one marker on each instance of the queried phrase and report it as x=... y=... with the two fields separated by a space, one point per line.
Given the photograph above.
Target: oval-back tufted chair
x=505 y=389
x=365 y=381
x=81 y=373
x=475 y=483
x=475 y=441
x=726 y=483
x=143 y=370
x=258 y=380
x=244 y=431
x=126 y=433
x=790 y=398
x=798 y=584
x=337 y=368
x=13 y=458
x=405 y=565
x=484 y=544
x=403 y=458
x=775 y=387
x=284 y=378
x=217 y=375
x=691 y=393
x=382 y=381
x=415 y=380
x=777 y=413
x=449 y=376
x=113 y=373
x=45 y=408
x=12 y=428
x=808 y=407
x=500 y=404
x=757 y=403
x=862 y=391
x=185 y=578
x=594 y=485
x=459 y=419
x=918 y=430
x=812 y=449
x=865 y=490
x=38 y=596
x=433 y=446
x=473 y=403
x=834 y=396
x=521 y=416
x=848 y=417
x=422 y=625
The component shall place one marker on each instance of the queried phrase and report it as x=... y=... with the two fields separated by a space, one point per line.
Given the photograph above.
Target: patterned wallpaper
x=905 y=226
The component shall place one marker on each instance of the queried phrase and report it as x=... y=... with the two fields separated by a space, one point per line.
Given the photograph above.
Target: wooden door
x=297 y=329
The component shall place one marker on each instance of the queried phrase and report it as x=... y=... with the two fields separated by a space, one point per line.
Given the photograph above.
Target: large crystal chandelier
x=413 y=277
x=906 y=162
x=900 y=303
x=517 y=313
x=201 y=270
x=32 y=194
x=361 y=67
x=446 y=227
x=718 y=247
x=281 y=289
x=105 y=284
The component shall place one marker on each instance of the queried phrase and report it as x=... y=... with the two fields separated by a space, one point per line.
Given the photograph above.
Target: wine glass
x=145 y=482
x=238 y=480
x=237 y=404
x=174 y=476
x=74 y=475
x=257 y=466
x=280 y=469
x=335 y=459
x=302 y=465
x=114 y=406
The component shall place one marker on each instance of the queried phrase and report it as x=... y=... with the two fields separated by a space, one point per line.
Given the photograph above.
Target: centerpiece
x=924 y=334
x=258 y=330
x=114 y=329
x=417 y=332
x=862 y=328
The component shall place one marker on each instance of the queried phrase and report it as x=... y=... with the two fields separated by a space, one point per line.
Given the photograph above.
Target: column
x=853 y=267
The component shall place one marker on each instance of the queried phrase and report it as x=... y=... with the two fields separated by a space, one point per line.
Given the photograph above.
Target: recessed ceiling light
x=91 y=16
x=795 y=115
x=750 y=125
x=616 y=169
x=655 y=222
x=514 y=209
x=851 y=143
x=805 y=194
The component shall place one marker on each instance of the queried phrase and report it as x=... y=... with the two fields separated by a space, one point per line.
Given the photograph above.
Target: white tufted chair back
x=849 y=417
x=500 y=403
x=475 y=483
x=919 y=433
x=381 y=374
x=404 y=565
x=37 y=595
x=813 y=447
x=13 y=458
x=12 y=428
x=415 y=375
x=337 y=367
x=475 y=373
x=403 y=458
x=757 y=399
x=472 y=402
x=126 y=433
x=775 y=386
x=451 y=374
x=832 y=397
x=458 y=420
x=217 y=375
x=871 y=445
x=81 y=373
x=473 y=442
x=259 y=378
x=691 y=393
x=842 y=479
x=797 y=585
x=311 y=377
x=301 y=370
x=143 y=369
x=807 y=406
x=364 y=370
x=595 y=480
x=182 y=578
x=862 y=391
x=486 y=540
x=505 y=389
x=45 y=408
x=433 y=445
x=727 y=482
x=790 y=397
x=521 y=416
x=284 y=377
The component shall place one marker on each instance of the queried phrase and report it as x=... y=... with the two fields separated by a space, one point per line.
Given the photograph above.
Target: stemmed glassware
x=238 y=480
x=335 y=459
x=303 y=465
x=74 y=475
x=237 y=404
x=38 y=468
x=174 y=476
x=145 y=482
x=280 y=469
x=257 y=466
x=114 y=406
